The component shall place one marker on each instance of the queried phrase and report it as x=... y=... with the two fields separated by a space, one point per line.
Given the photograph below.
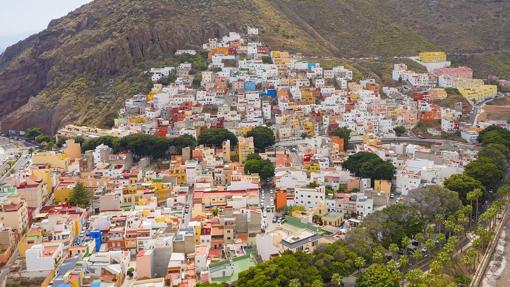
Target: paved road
x=22 y=162
x=498 y=272
x=189 y=202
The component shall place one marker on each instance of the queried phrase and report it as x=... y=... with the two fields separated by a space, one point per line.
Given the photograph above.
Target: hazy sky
x=21 y=18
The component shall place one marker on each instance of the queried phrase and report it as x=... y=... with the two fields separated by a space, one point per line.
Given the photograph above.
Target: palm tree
x=359 y=262
x=504 y=191
x=294 y=283
x=403 y=261
x=430 y=244
x=317 y=283
x=405 y=242
x=475 y=196
x=438 y=219
x=393 y=248
x=414 y=276
x=470 y=258
x=336 y=279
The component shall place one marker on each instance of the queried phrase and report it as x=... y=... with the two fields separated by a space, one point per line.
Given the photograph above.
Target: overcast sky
x=22 y=18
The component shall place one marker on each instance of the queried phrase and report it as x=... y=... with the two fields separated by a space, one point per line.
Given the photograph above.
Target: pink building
x=458 y=72
x=144 y=259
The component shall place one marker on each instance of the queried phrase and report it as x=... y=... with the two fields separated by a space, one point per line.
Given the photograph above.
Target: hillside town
x=237 y=155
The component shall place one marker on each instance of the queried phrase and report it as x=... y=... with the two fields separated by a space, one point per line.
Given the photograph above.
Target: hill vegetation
x=82 y=67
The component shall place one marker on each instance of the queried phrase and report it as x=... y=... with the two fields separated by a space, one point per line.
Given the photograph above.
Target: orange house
x=219 y=50
x=338 y=141
x=432 y=115
x=280 y=199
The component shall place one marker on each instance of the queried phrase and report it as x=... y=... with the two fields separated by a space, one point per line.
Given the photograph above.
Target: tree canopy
x=379 y=275
x=280 y=271
x=263 y=137
x=216 y=137
x=264 y=168
x=369 y=165
x=486 y=171
x=80 y=196
x=494 y=134
x=399 y=130
x=463 y=184
x=92 y=143
x=142 y=145
x=434 y=199
x=178 y=143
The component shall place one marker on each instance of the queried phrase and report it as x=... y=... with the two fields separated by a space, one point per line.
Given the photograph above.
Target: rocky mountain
x=83 y=65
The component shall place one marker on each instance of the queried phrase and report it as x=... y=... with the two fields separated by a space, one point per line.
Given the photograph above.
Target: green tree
x=294 y=283
x=43 y=138
x=377 y=257
x=403 y=260
x=336 y=279
x=263 y=137
x=317 y=283
x=417 y=255
x=494 y=152
x=178 y=143
x=434 y=199
x=414 y=277
x=369 y=165
x=264 y=168
x=32 y=133
x=462 y=184
x=430 y=244
x=399 y=130
x=80 y=196
x=393 y=248
x=111 y=141
x=216 y=137
x=344 y=133
x=142 y=145
x=474 y=197
x=378 y=275
x=494 y=134
x=359 y=262
x=267 y=60
x=486 y=171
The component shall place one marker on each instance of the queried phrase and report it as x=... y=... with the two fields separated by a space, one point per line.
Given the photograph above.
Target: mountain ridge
x=84 y=64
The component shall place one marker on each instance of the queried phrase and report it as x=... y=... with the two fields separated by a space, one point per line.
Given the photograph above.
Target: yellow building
x=245 y=147
x=32 y=237
x=466 y=83
x=309 y=128
x=437 y=94
x=242 y=131
x=137 y=120
x=178 y=171
x=197 y=230
x=314 y=167
x=432 y=57
x=51 y=159
x=46 y=176
x=306 y=96
x=353 y=86
x=72 y=149
x=162 y=190
x=382 y=185
x=150 y=96
x=371 y=139
x=479 y=93
x=64 y=190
